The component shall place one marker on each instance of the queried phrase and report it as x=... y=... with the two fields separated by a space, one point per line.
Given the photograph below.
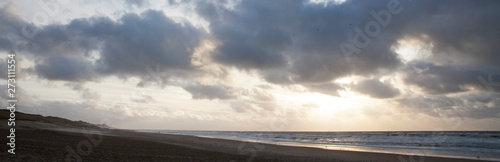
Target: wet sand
x=36 y=141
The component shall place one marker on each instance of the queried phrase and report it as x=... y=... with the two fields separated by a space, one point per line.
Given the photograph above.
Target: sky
x=255 y=65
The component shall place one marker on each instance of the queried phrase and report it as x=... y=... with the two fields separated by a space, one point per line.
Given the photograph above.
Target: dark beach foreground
x=70 y=141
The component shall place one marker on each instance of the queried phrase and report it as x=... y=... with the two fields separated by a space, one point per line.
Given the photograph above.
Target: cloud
x=462 y=36
x=66 y=40
x=305 y=38
x=149 y=39
x=240 y=44
x=22 y=96
x=144 y=99
x=263 y=99
x=477 y=105
x=210 y=92
x=462 y=32
x=4 y=70
x=443 y=79
x=138 y=3
x=11 y=24
x=85 y=93
x=241 y=107
x=176 y=2
x=23 y=36
x=376 y=89
x=287 y=42
x=66 y=68
x=125 y=48
x=331 y=89
x=255 y=100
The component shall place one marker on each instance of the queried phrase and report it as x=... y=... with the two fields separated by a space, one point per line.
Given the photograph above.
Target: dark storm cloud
x=210 y=92
x=464 y=40
x=376 y=89
x=436 y=79
x=149 y=45
x=278 y=76
x=461 y=31
x=478 y=105
x=243 y=44
x=68 y=39
x=66 y=68
x=9 y=19
x=300 y=38
x=17 y=34
x=149 y=40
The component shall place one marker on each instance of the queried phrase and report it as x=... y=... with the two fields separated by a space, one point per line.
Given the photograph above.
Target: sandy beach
x=42 y=141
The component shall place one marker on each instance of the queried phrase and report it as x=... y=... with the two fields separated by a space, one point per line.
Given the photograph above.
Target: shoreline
x=270 y=150
x=41 y=141
x=415 y=152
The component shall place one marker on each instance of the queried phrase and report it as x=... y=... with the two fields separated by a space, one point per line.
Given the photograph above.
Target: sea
x=482 y=145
